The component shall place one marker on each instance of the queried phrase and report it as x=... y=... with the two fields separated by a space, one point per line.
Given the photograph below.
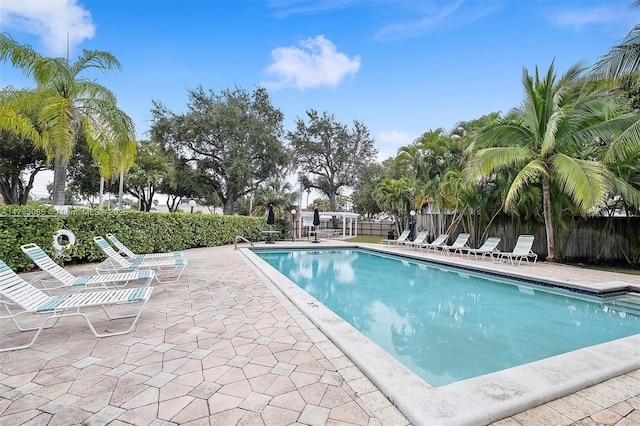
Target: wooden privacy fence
x=378 y=229
x=591 y=240
x=613 y=240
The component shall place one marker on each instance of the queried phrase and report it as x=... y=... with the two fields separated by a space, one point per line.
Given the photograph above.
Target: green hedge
x=142 y=232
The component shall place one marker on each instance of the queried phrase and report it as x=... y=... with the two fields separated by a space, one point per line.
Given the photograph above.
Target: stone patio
x=224 y=347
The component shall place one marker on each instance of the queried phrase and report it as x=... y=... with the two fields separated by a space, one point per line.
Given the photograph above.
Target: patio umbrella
x=316 y=223
x=270 y=221
x=271 y=218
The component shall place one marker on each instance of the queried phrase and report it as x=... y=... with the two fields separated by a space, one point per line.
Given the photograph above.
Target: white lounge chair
x=24 y=298
x=125 y=251
x=115 y=263
x=460 y=243
x=521 y=251
x=490 y=248
x=63 y=278
x=442 y=238
x=421 y=238
x=401 y=238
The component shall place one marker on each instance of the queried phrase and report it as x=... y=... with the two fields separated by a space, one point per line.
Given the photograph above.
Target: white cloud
x=49 y=20
x=606 y=14
x=314 y=62
x=389 y=142
x=437 y=14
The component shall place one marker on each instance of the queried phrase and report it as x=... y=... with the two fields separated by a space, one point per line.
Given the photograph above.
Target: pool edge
x=480 y=400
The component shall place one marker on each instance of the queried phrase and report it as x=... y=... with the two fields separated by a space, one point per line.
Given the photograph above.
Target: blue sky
x=402 y=67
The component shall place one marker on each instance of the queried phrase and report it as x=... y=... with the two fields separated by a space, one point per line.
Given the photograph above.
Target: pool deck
x=224 y=346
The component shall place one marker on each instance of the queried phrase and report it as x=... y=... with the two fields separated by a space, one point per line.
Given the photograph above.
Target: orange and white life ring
x=58 y=241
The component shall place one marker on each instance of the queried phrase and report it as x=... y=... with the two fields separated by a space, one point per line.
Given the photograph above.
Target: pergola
x=349 y=221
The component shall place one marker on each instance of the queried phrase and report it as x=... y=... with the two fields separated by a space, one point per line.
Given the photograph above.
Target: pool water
x=448 y=324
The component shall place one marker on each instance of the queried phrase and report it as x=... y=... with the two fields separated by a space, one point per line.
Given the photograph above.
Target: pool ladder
x=629 y=303
x=240 y=238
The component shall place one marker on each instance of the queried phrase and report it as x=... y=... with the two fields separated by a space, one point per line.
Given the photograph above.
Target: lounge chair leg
x=135 y=317
x=35 y=336
x=13 y=317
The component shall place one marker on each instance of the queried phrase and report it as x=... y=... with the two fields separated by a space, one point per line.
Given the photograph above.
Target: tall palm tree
x=73 y=105
x=396 y=196
x=624 y=58
x=113 y=160
x=544 y=139
x=621 y=60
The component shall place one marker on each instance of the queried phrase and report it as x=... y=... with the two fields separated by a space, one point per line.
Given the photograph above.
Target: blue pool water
x=448 y=324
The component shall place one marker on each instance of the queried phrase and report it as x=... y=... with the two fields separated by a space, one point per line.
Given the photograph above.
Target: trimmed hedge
x=140 y=231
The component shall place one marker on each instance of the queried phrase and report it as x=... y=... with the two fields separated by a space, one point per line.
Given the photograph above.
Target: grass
x=620 y=269
x=365 y=239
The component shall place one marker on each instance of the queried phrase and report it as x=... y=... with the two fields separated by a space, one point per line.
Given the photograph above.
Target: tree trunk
x=332 y=205
x=228 y=206
x=332 y=199
x=59 y=181
x=173 y=201
x=121 y=189
x=9 y=190
x=548 y=225
x=101 y=199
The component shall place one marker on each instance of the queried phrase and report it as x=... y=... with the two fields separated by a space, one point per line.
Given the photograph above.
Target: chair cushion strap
x=53 y=303
x=137 y=294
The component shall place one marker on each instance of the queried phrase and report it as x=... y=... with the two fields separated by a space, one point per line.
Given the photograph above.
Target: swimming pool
x=447 y=324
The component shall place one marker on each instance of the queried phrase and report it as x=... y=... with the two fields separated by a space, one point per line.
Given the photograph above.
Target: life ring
x=63 y=233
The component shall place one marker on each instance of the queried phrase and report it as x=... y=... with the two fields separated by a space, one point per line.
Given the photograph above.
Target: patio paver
x=221 y=347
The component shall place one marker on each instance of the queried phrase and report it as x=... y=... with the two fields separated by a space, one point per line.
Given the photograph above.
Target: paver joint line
x=224 y=330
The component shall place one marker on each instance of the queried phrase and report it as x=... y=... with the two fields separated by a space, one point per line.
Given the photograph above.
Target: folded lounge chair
x=436 y=243
x=460 y=243
x=115 y=263
x=490 y=247
x=64 y=278
x=521 y=251
x=125 y=251
x=401 y=238
x=25 y=298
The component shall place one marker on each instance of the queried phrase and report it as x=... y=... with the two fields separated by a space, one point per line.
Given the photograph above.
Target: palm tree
x=113 y=159
x=543 y=139
x=395 y=196
x=277 y=193
x=623 y=58
x=73 y=105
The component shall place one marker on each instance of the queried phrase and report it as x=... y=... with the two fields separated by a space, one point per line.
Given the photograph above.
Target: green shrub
x=141 y=232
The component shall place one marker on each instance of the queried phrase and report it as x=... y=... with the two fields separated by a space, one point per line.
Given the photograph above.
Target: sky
x=401 y=67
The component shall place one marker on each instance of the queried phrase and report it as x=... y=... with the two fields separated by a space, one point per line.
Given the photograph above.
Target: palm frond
x=621 y=59
x=53 y=73
x=529 y=172
x=57 y=117
x=630 y=194
x=18 y=124
x=22 y=57
x=549 y=139
x=585 y=182
x=89 y=89
x=626 y=144
x=103 y=61
x=485 y=161
x=508 y=131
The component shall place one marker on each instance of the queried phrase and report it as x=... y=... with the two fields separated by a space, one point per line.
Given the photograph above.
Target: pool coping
x=480 y=400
